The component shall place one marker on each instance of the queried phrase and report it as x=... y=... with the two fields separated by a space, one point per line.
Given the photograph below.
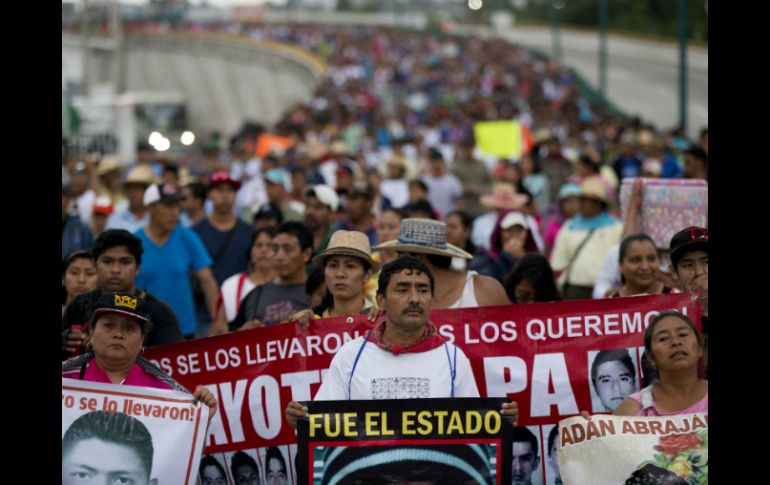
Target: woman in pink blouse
x=675 y=347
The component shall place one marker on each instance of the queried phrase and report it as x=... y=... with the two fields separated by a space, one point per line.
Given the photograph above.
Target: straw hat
x=109 y=163
x=503 y=196
x=424 y=236
x=141 y=174
x=348 y=243
x=339 y=148
x=592 y=188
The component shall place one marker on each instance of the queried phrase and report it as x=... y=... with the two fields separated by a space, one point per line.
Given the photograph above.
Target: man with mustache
x=402 y=357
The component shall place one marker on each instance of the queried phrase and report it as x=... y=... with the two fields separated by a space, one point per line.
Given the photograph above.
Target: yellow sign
x=503 y=139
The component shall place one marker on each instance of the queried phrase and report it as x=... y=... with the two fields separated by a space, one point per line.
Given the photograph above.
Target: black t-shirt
x=165 y=326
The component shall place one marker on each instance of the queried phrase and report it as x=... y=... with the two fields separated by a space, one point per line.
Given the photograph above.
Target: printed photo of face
x=613 y=376
x=525 y=448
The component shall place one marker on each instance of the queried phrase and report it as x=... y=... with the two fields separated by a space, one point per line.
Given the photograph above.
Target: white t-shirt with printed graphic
x=381 y=375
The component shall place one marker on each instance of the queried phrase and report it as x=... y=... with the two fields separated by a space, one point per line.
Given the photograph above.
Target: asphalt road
x=642 y=76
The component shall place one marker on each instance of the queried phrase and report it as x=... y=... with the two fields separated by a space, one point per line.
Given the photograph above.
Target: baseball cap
x=161 y=193
x=325 y=194
x=121 y=303
x=692 y=238
x=103 y=205
x=513 y=218
x=269 y=211
x=222 y=177
x=275 y=176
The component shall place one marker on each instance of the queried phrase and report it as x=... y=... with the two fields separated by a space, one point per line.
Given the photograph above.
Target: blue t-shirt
x=165 y=271
x=231 y=250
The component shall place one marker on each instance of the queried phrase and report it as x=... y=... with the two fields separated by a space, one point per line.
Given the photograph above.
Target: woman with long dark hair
x=639 y=267
x=532 y=280
x=235 y=288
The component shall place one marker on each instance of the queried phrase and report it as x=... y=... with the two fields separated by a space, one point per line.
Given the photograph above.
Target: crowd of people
x=385 y=205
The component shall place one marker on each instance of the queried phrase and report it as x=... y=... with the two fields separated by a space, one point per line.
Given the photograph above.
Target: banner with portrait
x=461 y=440
x=554 y=359
x=634 y=450
x=137 y=434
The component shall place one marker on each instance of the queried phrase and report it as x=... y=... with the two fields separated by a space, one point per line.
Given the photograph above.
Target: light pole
x=603 y=14
x=682 y=10
x=554 y=7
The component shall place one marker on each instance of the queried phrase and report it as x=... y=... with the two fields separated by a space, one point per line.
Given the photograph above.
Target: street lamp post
x=554 y=7
x=603 y=47
x=682 y=9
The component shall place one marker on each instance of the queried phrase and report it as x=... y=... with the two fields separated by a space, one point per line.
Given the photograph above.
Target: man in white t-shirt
x=403 y=357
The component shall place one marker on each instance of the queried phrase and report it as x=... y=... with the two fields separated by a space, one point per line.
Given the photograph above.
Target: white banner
x=130 y=434
x=634 y=450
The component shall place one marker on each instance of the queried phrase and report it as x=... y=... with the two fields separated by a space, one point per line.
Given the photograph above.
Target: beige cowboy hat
x=141 y=175
x=592 y=188
x=109 y=163
x=348 y=243
x=423 y=236
x=339 y=148
x=503 y=196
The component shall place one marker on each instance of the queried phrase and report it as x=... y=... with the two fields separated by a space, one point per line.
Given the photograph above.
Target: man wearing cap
x=321 y=204
x=132 y=215
x=118 y=256
x=109 y=172
x=426 y=239
x=689 y=252
x=268 y=215
x=101 y=211
x=402 y=357
x=226 y=238
x=358 y=207
x=275 y=185
x=171 y=251
x=583 y=242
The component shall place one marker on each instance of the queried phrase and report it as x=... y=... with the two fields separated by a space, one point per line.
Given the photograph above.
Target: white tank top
x=468 y=298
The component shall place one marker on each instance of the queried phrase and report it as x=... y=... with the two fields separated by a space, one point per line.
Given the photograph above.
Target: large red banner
x=539 y=355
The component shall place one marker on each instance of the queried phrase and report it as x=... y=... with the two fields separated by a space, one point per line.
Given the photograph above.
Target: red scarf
x=429 y=340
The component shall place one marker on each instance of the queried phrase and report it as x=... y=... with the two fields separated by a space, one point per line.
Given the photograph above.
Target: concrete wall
x=226 y=80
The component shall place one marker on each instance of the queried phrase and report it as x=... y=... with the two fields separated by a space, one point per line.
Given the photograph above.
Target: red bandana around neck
x=429 y=340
